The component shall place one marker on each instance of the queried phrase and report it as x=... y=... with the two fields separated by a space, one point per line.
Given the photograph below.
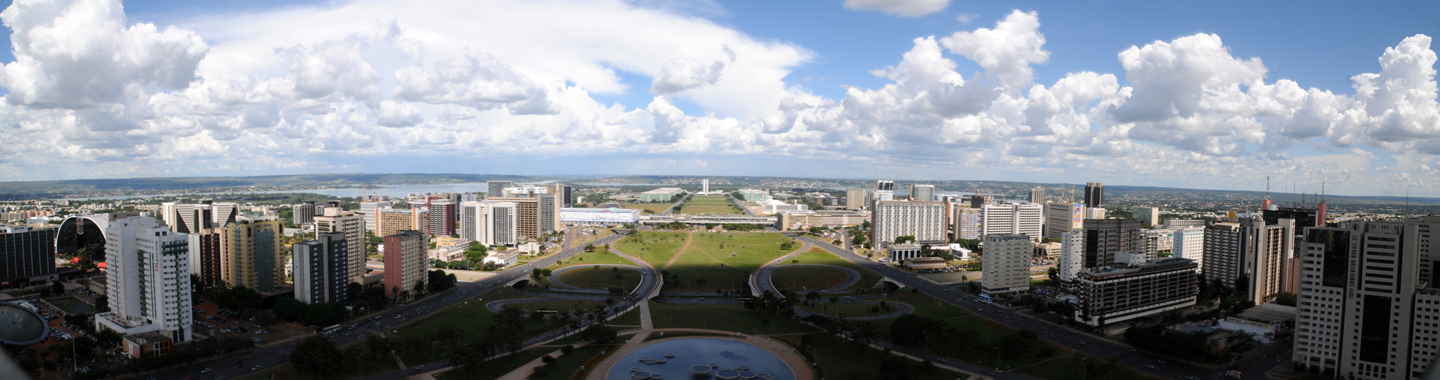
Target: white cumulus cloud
x=908 y=8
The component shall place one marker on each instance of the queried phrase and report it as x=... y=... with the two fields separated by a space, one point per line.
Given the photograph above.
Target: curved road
x=852 y=276
x=555 y=276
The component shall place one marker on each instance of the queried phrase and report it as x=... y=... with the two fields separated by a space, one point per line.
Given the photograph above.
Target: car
x=1083 y=342
x=1161 y=361
x=255 y=368
x=419 y=367
x=1132 y=350
x=1150 y=366
x=700 y=299
x=397 y=316
x=206 y=370
x=249 y=356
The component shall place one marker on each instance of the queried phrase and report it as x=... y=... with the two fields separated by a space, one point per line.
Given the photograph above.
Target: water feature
x=700 y=355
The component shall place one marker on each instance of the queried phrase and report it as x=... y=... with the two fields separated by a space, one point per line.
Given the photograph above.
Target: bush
x=567 y=349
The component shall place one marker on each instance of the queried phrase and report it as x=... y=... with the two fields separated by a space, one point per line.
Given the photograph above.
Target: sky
x=1211 y=95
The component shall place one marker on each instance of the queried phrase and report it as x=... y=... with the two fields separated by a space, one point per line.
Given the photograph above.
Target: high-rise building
x=488 y=222
x=1113 y=294
x=978 y=201
x=1061 y=218
x=1148 y=215
x=322 y=268
x=405 y=263
x=1013 y=218
x=549 y=214
x=966 y=221
x=923 y=193
x=302 y=213
x=527 y=216
x=923 y=220
x=566 y=196
x=167 y=213
x=1158 y=241
x=1222 y=252
x=147 y=279
x=1251 y=250
x=250 y=253
x=1094 y=194
x=1304 y=217
x=205 y=259
x=442 y=217
x=371 y=212
x=884 y=185
x=189 y=218
x=1190 y=244
x=855 y=199
x=1367 y=305
x=1072 y=254
x=1037 y=195
x=1105 y=237
x=497 y=188
x=353 y=226
x=704 y=186
x=1007 y=264
x=27 y=253
x=1095 y=213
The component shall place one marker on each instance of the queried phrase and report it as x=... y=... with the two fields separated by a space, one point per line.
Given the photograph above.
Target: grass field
x=834 y=357
x=653 y=208
x=470 y=316
x=600 y=233
x=806 y=279
x=568 y=365
x=723 y=261
x=868 y=279
x=653 y=247
x=499 y=367
x=710 y=205
x=602 y=278
x=722 y=317
x=823 y=307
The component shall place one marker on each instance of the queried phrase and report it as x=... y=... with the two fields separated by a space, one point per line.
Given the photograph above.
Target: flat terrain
x=602 y=278
x=722 y=317
x=807 y=278
x=653 y=208
x=868 y=279
x=653 y=247
x=710 y=205
x=717 y=261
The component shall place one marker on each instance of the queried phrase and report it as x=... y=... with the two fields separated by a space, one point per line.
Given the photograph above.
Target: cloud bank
x=91 y=94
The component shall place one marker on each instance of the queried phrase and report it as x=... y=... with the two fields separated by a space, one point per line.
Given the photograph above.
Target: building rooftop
x=1269 y=313
x=1158 y=265
x=146 y=337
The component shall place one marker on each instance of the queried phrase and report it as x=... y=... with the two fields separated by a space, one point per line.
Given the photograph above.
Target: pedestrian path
x=688 y=238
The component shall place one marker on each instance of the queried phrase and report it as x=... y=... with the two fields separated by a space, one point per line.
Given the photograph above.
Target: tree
x=599 y=333
x=1242 y=283
x=911 y=329
x=904 y=239
x=102 y=304
x=1054 y=275
x=316 y=355
x=589 y=248
x=57 y=288
x=1285 y=298
x=266 y=319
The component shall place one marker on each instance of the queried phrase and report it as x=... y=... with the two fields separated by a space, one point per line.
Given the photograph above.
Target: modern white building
x=664 y=194
x=502 y=260
x=1007 y=263
x=321 y=266
x=599 y=216
x=303 y=213
x=923 y=193
x=370 y=210
x=923 y=220
x=1072 y=254
x=1367 y=308
x=776 y=206
x=1148 y=215
x=1189 y=243
x=1061 y=218
x=352 y=224
x=148 y=279
x=489 y=222
x=754 y=195
x=1013 y=218
x=1159 y=241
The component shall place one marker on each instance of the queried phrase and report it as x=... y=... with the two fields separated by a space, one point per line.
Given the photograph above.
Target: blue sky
x=1209 y=94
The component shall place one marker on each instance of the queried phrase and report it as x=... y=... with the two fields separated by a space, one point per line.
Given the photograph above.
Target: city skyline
x=1186 y=96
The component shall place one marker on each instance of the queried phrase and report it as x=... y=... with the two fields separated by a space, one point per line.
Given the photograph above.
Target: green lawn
x=710 y=205
x=653 y=247
x=586 y=306
x=654 y=208
x=470 y=316
x=722 y=317
x=568 y=365
x=724 y=260
x=834 y=357
x=825 y=308
x=868 y=279
x=499 y=367
x=805 y=279
x=602 y=277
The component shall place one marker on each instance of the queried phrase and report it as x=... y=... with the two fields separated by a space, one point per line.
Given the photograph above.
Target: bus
x=331 y=329
x=984 y=298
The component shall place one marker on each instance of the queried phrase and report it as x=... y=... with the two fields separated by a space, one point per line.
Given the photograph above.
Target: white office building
x=1061 y=218
x=148 y=279
x=1007 y=263
x=370 y=210
x=599 y=216
x=1012 y=218
x=1189 y=243
x=923 y=220
x=1072 y=254
x=489 y=222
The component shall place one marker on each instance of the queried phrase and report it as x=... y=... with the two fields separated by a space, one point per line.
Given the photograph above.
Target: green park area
x=597 y=277
x=724 y=261
x=868 y=279
x=803 y=279
x=722 y=317
x=653 y=247
x=710 y=205
x=650 y=208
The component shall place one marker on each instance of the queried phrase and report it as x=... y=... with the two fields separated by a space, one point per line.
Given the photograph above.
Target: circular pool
x=693 y=353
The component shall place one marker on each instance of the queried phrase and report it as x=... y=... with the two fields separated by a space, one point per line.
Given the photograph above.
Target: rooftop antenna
x=1267 y=187
x=1322 y=191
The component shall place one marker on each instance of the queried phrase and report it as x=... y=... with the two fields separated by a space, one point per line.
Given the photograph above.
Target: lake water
x=727 y=354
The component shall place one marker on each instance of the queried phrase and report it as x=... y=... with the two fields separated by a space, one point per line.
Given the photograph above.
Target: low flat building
x=799 y=220
x=664 y=194
x=754 y=195
x=502 y=260
x=1120 y=293
x=147 y=344
x=917 y=263
x=901 y=252
x=599 y=216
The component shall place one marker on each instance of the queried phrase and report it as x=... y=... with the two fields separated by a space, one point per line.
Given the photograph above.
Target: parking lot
x=210 y=320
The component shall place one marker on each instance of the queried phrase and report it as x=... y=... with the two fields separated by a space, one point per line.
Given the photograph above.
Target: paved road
x=740 y=204
x=676 y=205
x=555 y=276
x=852 y=276
x=267 y=357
